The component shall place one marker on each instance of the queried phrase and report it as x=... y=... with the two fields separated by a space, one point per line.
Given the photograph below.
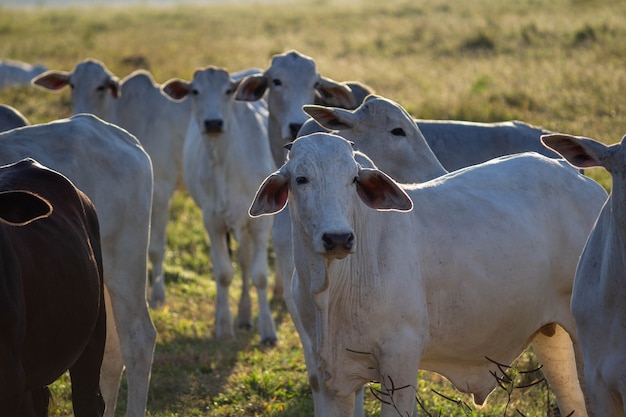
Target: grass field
x=558 y=64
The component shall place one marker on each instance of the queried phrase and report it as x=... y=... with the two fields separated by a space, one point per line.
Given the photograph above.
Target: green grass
x=557 y=64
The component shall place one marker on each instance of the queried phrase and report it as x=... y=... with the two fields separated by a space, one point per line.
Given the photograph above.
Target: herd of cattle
x=403 y=243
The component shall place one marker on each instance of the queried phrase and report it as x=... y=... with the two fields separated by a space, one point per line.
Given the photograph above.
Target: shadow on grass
x=196 y=373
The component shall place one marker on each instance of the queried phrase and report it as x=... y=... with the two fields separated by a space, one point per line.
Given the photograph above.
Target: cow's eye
x=355 y=180
x=277 y=82
x=302 y=180
x=398 y=131
x=195 y=92
x=101 y=88
x=229 y=91
x=71 y=86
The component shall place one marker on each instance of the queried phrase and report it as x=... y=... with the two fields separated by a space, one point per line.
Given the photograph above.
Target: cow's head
x=93 y=87
x=212 y=92
x=324 y=186
x=386 y=132
x=290 y=82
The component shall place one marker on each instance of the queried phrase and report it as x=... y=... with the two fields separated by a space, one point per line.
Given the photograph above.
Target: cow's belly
x=468 y=357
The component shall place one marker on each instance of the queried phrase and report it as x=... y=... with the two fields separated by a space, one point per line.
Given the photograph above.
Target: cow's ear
x=578 y=151
x=176 y=89
x=271 y=197
x=19 y=208
x=379 y=191
x=331 y=118
x=335 y=94
x=52 y=80
x=252 y=88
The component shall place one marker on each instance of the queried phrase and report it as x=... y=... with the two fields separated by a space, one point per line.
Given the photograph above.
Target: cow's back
x=85 y=149
x=458 y=144
x=11 y=118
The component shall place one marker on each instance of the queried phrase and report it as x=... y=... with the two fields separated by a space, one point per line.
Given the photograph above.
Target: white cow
x=456 y=144
x=483 y=265
x=137 y=105
x=10 y=118
x=384 y=131
x=226 y=155
x=14 y=72
x=111 y=167
x=290 y=82
x=598 y=299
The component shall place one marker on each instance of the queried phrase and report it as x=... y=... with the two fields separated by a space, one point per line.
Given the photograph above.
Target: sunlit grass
x=557 y=64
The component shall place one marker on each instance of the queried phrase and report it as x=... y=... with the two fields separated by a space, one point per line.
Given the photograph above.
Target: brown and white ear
x=52 y=80
x=18 y=208
x=579 y=151
x=331 y=118
x=271 y=197
x=379 y=191
x=335 y=94
x=234 y=86
x=252 y=88
x=176 y=89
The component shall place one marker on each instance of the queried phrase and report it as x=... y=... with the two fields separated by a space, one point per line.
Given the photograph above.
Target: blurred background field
x=557 y=64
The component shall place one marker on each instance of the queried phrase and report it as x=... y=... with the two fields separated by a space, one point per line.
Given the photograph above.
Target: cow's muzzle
x=338 y=245
x=214 y=126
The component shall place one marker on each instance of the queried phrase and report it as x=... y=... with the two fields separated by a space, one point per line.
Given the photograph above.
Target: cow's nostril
x=214 y=125
x=329 y=242
x=349 y=241
x=344 y=241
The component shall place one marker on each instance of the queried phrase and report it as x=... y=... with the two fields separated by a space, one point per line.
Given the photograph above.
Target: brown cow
x=52 y=315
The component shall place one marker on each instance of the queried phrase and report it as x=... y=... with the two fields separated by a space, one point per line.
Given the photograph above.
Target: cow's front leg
x=223 y=273
x=398 y=380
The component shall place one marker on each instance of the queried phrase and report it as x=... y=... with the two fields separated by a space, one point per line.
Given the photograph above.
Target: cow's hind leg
x=131 y=337
x=137 y=337
x=85 y=373
x=254 y=266
x=244 y=311
x=158 y=241
x=112 y=363
x=39 y=401
x=555 y=350
x=281 y=241
x=12 y=377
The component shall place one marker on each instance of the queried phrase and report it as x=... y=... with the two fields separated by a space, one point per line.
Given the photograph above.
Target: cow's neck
x=277 y=142
x=220 y=151
x=337 y=291
x=612 y=222
x=341 y=360
x=225 y=149
x=617 y=203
